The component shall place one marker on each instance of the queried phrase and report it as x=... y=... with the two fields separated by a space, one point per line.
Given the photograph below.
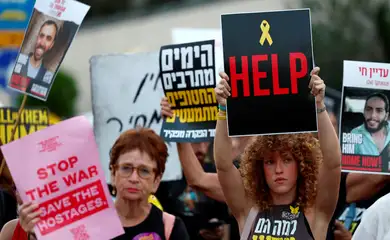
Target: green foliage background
x=348 y=30
x=62 y=97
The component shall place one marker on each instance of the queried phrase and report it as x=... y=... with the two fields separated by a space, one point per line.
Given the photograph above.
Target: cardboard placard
x=51 y=30
x=364 y=128
x=268 y=57
x=188 y=79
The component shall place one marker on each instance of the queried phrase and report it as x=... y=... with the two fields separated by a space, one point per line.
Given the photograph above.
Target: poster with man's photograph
x=50 y=32
x=365 y=129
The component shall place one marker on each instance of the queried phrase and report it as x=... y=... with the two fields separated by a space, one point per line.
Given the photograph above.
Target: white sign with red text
x=366 y=75
x=365 y=127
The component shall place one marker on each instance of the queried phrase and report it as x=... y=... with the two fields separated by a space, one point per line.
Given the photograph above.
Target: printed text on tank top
x=281 y=222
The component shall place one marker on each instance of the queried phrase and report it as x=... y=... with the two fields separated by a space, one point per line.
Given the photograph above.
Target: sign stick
x=21 y=108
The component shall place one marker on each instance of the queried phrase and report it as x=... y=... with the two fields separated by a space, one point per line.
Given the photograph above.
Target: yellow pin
x=265 y=35
x=294 y=210
x=153 y=200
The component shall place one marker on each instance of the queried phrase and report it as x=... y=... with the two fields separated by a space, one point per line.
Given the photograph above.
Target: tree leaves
x=62 y=97
x=348 y=30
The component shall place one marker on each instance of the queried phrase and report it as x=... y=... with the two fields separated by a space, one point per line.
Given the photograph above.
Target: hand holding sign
x=64 y=176
x=166 y=110
x=317 y=85
x=29 y=216
x=222 y=91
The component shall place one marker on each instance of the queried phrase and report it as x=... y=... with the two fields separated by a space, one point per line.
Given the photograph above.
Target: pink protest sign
x=58 y=167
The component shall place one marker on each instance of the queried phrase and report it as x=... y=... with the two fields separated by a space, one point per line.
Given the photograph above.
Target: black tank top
x=283 y=222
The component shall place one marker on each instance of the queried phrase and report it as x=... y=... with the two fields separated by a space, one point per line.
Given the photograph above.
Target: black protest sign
x=268 y=58
x=188 y=79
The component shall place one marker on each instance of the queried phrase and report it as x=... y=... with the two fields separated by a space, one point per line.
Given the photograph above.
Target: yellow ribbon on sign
x=265 y=27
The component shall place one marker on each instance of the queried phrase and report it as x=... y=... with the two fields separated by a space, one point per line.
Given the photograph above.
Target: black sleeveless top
x=284 y=221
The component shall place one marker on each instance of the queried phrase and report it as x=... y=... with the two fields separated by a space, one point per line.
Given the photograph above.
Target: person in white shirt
x=375 y=224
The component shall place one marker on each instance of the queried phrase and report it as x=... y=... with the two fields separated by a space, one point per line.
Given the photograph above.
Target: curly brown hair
x=305 y=149
x=145 y=140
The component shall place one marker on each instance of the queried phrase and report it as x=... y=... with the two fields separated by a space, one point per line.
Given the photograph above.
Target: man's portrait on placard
x=45 y=44
x=366 y=117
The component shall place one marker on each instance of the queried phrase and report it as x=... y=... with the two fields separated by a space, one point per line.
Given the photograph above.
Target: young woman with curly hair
x=287 y=186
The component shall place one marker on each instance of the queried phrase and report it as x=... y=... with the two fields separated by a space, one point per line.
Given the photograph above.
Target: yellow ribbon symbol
x=264 y=26
x=294 y=210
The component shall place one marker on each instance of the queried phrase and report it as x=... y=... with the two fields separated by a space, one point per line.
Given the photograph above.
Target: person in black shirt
x=281 y=170
x=137 y=163
x=8 y=206
x=8 y=201
x=153 y=221
x=198 y=198
x=358 y=191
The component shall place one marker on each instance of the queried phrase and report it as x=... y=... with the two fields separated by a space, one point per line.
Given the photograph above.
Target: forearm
x=196 y=177
x=330 y=168
x=192 y=168
x=223 y=148
x=329 y=142
x=363 y=186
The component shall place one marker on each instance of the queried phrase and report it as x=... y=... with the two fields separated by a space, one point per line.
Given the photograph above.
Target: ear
x=156 y=184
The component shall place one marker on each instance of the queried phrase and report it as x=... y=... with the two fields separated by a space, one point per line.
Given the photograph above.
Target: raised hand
x=166 y=110
x=340 y=232
x=222 y=91
x=317 y=85
x=29 y=216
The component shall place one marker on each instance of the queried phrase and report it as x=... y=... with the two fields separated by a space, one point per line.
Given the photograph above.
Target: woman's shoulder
x=8 y=230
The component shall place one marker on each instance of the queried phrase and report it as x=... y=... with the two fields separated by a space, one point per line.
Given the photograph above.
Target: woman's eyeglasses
x=126 y=170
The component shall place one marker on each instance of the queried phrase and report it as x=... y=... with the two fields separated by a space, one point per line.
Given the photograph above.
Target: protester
x=280 y=174
x=193 y=198
x=137 y=163
x=7 y=209
x=203 y=216
x=192 y=158
x=358 y=191
x=12 y=230
x=152 y=198
x=375 y=224
x=8 y=201
x=203 y=178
